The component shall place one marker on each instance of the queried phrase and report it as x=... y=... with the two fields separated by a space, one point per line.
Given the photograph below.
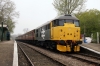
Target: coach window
x=38 y=29
x=34 y=31
x=31 y=33
x=48 y=26
x=44 y=27
x=37 y=33
x=41 y=29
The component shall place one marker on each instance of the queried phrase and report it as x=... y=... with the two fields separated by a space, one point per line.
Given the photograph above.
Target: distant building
x=6 y=33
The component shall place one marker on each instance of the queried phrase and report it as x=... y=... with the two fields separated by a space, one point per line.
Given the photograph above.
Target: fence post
x=92 y=36
x=98 y=37
x=2 y=32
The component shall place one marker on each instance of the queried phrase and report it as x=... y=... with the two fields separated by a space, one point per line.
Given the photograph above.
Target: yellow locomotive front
x=66 y=32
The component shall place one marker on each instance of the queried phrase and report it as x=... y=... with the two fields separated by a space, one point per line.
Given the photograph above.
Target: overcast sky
x=36 y=12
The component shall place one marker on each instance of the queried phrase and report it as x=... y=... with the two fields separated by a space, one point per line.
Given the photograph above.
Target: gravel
x=68 y=61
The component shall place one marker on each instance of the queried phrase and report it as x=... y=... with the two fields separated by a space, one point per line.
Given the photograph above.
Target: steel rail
x=31 y=64
x=82 y=59
x=89 y=55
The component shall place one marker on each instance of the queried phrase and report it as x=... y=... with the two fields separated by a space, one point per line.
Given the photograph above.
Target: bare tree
x=25 y=30
x=68 y=6
x=8 y=13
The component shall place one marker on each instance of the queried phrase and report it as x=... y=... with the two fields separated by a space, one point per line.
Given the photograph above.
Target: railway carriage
x=61 y=33
x=29 y=36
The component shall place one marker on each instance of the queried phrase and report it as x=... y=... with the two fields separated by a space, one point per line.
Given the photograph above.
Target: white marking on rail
x=91 y=50
x=15 y=55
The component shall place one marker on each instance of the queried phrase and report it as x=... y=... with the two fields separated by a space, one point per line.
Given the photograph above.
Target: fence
x=95 y=37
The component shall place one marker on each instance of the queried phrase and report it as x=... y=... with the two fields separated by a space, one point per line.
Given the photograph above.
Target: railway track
x=28 y=59
x=78 y=59
x=88 y=55
x=59 y=57
x=44 y=61
x=93 y=60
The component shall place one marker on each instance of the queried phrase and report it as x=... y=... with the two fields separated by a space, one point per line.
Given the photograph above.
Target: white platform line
x=91 y=50
x=15 y=55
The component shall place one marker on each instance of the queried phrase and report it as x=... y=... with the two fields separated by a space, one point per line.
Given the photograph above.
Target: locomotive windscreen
x=60 y=22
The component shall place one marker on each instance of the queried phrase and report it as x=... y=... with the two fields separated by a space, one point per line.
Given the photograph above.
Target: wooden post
x=2 y=32
x=98 y=37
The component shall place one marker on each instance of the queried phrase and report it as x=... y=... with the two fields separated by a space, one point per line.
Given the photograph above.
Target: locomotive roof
x=67 y=17
x=70 y=17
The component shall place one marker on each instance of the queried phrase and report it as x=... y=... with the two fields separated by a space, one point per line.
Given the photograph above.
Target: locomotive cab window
x=55 y=23
x=48 y=26
x=62 y=21
x=37 y=33
x=76 y=22
x=69 y=21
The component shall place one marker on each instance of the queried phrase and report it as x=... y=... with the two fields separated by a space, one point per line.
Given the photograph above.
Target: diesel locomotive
x=61 y=33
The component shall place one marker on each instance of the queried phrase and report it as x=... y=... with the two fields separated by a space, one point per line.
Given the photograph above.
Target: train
x=61 y=33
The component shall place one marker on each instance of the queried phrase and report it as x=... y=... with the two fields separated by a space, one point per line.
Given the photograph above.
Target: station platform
x=7 y=51
x=92 y=47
